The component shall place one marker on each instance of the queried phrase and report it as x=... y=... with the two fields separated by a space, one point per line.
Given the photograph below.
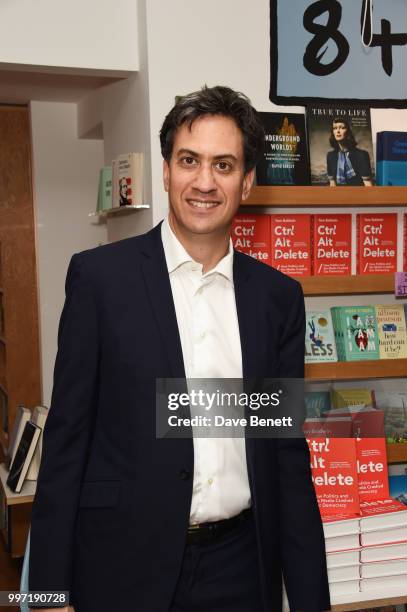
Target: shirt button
x=200 y=290
x=184 y=474
x=210 y=481
x=202 y=334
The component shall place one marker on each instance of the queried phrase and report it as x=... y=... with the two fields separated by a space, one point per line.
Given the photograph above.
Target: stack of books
x=365 y=529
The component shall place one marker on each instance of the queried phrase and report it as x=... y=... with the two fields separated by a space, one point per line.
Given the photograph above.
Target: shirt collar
x=176 y=255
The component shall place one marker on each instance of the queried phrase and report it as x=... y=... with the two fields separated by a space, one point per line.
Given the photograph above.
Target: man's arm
x=302 y=538
x=66 y=436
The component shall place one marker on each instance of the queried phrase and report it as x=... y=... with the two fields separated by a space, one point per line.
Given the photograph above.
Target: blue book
x=398 y=488
x=391 y=158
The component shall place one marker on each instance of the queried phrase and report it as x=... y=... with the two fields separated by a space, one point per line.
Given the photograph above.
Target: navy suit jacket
x=112 y=505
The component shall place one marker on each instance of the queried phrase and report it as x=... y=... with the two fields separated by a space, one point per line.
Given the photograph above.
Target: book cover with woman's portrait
x=340 y=143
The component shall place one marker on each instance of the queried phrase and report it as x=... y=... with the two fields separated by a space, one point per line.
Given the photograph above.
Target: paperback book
x=391 y=325
x=376 y=239
x=23 y=456
x=105 y=189
x=128 y=180
x=332 y=244
x=251 y=235
x=291 y=244
x=285 y=156
x=394 y=406
x=334 y=474
x=319 y=337
x=340 y=143
x=355 y=332
x=391 y=158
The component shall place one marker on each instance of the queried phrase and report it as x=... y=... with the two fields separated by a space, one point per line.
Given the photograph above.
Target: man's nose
x=205 y=178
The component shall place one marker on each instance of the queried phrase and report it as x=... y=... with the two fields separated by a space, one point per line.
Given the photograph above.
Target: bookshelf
x=311 y=197
x=327 y=197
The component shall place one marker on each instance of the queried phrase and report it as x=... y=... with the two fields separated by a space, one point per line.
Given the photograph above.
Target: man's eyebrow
x=195 y=154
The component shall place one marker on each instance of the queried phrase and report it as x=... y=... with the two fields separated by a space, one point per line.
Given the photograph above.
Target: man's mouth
x=203 y=203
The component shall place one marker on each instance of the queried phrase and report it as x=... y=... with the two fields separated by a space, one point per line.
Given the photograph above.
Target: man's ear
x=166 y=175
x=247 y=183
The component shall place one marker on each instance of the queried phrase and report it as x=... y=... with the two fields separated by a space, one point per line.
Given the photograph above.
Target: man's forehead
x=217 y=135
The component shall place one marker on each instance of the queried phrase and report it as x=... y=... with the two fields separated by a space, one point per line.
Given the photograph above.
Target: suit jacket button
x=184 y=474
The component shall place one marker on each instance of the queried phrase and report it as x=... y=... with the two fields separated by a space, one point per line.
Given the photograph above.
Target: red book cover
x=376 y=243
x=251 y=235
x=291 y=244
x=334 y=474
x=332 y=244
x=372 y=469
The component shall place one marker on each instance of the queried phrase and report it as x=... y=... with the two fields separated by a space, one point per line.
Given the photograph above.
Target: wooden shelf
x=343 y=285
x=314 y=196
x=397 y=453
x=370 y=602
x=349 y=370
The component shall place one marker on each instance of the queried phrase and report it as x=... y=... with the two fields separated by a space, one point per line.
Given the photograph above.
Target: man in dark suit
x=123 y=520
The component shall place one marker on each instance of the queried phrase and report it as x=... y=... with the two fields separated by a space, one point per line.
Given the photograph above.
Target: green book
x=356 y=330
x=105 y=189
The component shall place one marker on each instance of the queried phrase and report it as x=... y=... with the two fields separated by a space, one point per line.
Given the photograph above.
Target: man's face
x=123 y=188
x=339 y=131
x=205 y=177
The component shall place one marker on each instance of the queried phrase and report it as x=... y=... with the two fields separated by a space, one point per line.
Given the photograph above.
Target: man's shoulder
x=120 y=252
x=266 y=275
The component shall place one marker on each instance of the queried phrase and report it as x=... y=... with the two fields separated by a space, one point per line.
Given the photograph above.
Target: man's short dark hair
x=222 y=101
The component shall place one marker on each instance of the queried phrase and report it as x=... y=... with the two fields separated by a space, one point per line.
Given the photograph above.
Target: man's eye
x=224 y=166
x=188 y=161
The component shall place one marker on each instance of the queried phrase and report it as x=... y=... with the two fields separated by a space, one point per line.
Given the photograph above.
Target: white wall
x=65 y=177
x=123 y=109
x=90 y=34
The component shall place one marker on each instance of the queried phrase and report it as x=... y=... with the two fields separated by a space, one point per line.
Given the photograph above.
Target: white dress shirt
x=205 y=306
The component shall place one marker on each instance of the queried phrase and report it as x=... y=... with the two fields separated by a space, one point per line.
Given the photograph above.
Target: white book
x=340 y=527
x=384 y=536
x=384 y=582
x=39 y=416
x=384 y=552
x=384 y=568
x=23 y=415
x=128 y=179
x=344 y=588
x=382 y=514
x=341 y=559
x=339 y=574
x=340 y=543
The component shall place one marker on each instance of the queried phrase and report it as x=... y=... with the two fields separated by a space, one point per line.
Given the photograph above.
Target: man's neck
x=205 y=249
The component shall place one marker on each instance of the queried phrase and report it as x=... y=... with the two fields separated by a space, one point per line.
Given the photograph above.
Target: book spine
x=358 y=246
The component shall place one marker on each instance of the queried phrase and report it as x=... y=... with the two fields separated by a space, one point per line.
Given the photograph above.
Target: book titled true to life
x=285 y=156
x=340 y=143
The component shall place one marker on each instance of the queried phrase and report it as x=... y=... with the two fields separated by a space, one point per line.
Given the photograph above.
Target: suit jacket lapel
x=155 y=272
x=246 y=305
